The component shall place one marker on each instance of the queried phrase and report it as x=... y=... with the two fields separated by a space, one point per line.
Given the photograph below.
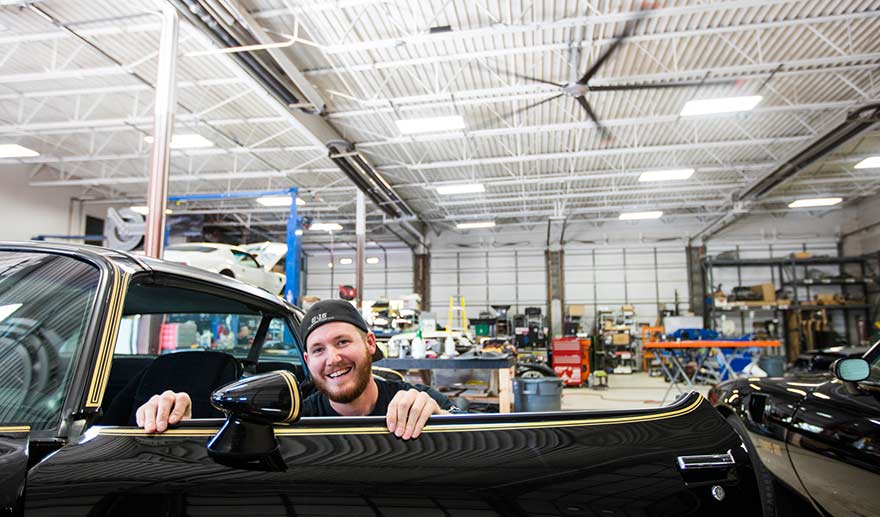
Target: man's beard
x=363 y=372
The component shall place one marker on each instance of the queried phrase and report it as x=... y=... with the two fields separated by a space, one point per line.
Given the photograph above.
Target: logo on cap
x=318 y=318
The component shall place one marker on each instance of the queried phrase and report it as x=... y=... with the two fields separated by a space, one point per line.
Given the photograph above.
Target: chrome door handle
x=706 y=461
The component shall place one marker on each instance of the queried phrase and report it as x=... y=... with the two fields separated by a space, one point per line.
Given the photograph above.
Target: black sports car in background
x=88 y=334
x=818 y=434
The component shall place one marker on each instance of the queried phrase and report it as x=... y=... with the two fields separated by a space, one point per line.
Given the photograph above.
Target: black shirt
x=317 y=404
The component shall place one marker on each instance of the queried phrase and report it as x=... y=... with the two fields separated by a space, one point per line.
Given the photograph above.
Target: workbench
x=667 y=350
x=500 y=381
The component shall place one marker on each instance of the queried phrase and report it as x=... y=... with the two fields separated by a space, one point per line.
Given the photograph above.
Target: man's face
x=338 y=357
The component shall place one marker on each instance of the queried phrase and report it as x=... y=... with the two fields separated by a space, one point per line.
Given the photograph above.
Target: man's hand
x=408 y=412
x=164 y=409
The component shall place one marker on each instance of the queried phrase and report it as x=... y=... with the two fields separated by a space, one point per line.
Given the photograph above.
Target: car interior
x=175 y=337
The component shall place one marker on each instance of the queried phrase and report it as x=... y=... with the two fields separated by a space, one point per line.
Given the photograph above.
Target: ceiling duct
x=368 y=180
x=857 y=121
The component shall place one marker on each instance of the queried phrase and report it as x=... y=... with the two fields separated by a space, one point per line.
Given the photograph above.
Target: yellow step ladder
x=456 y=308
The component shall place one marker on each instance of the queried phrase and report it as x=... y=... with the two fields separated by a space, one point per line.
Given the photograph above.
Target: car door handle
x=706 y=461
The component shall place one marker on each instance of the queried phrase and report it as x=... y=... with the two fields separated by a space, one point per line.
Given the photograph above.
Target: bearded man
x=340 y=350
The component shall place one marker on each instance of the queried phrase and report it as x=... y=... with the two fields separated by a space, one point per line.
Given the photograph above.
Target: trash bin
x=540 y=394
x=774 y=365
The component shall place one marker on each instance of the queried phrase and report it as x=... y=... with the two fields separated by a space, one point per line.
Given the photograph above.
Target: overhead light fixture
x=372 y=260
x=325 y=227
x=330 y=264
x=143 y=210
x=666 y=175
x=481 y=224
x=722 y=105
x=186 y=141
x=430 y=125
x=816 y=201
x=871 y=162
x=462 y=188
x=298 y=232
x=16 y=151
x=278 y=201
x=345 y=261
x=635 y=216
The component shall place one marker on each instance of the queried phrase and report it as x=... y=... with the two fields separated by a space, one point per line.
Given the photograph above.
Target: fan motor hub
x=575 y=89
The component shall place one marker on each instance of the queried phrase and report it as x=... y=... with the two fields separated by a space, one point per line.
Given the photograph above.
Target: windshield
x=45 y=302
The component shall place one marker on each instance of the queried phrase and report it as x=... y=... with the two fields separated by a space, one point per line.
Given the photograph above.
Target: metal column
x=163 y=127
x=294 y=254
x=361 y=232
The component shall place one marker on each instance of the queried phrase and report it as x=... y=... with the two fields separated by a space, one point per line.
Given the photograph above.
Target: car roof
x=215 y=245
x=140 y=263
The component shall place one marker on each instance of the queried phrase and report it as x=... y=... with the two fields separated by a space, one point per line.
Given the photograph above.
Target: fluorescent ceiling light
x=816 y=201
x=372 y=260
x=634 y=216
x=430 y=125
x=16 y=151
x=185 y=141
x=666 y=175
x=722 y=105
x=482 y=224
x=462 y=188
x=325 y=227
x=345 y=261
x=871 y=162
x=278 y=201
x=143 y=210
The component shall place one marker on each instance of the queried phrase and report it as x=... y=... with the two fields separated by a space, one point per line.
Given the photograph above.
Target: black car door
x=834 y=444
x=678 y=460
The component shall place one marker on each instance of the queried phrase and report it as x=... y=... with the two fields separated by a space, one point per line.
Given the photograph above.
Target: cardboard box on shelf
x=620 y=339
x=766 y=291
x=801 y=255
x=575 y=311
x=627 y=308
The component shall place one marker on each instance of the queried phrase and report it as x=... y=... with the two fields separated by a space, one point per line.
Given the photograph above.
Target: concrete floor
x=637 y=390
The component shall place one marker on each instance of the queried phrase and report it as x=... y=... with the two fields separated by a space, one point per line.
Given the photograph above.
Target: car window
x=45 y=304
x=156 y=334
x=245 y=259
x=281 y=350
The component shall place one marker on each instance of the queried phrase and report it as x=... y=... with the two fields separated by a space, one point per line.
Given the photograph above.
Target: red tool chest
x=570 y=359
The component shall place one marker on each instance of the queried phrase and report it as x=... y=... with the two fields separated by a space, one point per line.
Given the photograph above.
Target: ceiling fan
x=578 y=90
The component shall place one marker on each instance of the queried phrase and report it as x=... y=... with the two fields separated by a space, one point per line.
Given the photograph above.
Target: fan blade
x=628 y=29
x=657 y=86
x=586 y=105
x=535 y=79
x=532 y=105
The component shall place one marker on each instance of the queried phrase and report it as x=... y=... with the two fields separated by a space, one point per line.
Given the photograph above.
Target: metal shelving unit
x=793 y=274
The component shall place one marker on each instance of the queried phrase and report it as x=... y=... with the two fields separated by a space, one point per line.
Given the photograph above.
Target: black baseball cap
x=329 y=311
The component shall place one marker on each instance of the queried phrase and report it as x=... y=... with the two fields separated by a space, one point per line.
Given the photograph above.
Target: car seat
x=197 y=373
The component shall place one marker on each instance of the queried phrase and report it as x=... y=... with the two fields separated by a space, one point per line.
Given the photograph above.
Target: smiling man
x=340 y=350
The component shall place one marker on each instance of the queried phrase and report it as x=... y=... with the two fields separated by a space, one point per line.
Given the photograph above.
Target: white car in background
x=272 y=255
x=231 y=261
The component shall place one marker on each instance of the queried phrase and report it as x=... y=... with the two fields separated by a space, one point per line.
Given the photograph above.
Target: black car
x=87 y=334
x=816 y=435
x=819 y=361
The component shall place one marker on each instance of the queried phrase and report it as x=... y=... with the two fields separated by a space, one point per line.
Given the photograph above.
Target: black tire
x=228 y=273
x=764 y=479
x=535 y=371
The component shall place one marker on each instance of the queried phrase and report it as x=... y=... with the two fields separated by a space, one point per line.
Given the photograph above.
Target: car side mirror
x=851 y=370
x=252 y=406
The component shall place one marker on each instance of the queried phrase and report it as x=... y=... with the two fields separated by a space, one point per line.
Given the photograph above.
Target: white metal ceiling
x=376 y=61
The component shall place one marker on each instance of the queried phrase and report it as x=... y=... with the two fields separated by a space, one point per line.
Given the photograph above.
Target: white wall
x=862 y=229
x=391 y=278
x=28 y=211
x=484 y=277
